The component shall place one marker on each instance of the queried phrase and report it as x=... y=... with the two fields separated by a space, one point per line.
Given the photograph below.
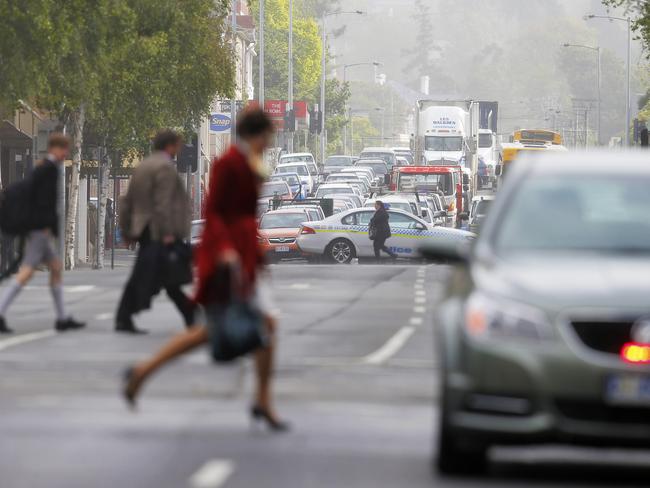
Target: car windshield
x=283 y=220
x=344 y=190
x=484 y=140
x=378 y=168
x=338 y=161
x=438 y=143
x=388 y=158
x=482 y=207
x=411 y=182
x=295 y=159
x=270 y=189
x=578 y=213
x=300 y=169
x=290 y=179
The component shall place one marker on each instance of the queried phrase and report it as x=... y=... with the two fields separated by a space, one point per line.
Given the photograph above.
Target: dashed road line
x=416 y=321
x=420 y=300
x=25 y=338
x=420 y=293
x=104 y=316
x=391 y=347
x=213 y=474
x=419 y=309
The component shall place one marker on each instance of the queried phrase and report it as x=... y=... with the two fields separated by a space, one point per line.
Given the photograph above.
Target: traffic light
x=314 y=121
x=188 y=157
x=290 y=121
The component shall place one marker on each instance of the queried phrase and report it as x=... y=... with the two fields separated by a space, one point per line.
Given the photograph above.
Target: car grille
x=600 y=412
x=282 y=240
x=608 y=337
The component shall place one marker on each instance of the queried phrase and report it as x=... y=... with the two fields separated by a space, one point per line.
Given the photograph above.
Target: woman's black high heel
x=259 y=414
x=130 y=388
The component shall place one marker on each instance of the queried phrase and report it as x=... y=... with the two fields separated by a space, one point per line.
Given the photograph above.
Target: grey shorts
x=39 y=249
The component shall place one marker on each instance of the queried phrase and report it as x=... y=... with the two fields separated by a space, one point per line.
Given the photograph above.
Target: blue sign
x=219 y=123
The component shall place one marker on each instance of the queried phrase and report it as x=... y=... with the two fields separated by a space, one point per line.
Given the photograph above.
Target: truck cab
x=444 y=180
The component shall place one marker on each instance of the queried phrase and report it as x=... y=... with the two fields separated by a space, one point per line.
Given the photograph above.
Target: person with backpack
x=38 y=194
x=379 y=231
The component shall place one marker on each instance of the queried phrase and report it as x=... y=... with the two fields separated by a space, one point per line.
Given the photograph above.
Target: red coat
x=230 y=221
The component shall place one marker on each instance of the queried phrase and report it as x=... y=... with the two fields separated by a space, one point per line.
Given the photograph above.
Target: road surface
x=356 y=377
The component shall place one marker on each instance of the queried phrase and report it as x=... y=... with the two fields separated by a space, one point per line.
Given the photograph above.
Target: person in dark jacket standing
x=381 y=230
x=155 y=210
x=39 y=244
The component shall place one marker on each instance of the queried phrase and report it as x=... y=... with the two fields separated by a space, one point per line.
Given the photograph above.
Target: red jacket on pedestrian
x=230 y=221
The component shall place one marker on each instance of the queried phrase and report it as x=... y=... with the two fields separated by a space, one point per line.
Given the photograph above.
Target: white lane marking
x=213 y=474
x=25 y=338
x=416 y=321
x=66 y=289
x=419 y=309
x=419 y=286
x=420 y=293
x=420 y=300
x=104 y=316
x=392 y=346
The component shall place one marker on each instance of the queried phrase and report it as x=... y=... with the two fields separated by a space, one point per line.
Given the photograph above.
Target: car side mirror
x=425 y=213
x=420 y=227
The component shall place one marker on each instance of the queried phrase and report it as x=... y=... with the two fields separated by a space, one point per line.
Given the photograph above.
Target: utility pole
x=233 y=101
x=290 y=104
x=261 y=94
x=323 y=79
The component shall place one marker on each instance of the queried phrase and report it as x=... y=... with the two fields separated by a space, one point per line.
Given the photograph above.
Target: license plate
x=627 y=390
x=283 y=249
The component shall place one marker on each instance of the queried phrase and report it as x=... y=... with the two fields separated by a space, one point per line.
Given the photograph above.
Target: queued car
x=335 y=164
x=378 y=166
x=293 y=180
x=385 y=154
x=544 y=332
x=478 y=211
x=308 y=180
x=344 y=236
x=276 y=189
x=336 y=188
x=349 y=179
x=355 y=200
x=277 y=233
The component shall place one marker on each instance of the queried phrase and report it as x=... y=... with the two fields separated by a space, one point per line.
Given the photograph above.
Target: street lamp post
x=598 y=52
x=323 y=136
x=628 y=67
x=345 y=79
x=290 y=104
x=261 y=94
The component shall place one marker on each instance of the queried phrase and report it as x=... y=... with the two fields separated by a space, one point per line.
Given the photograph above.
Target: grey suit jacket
x=157 y=199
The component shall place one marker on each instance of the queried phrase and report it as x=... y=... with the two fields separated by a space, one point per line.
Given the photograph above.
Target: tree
x=364 y=133
x=307 y=51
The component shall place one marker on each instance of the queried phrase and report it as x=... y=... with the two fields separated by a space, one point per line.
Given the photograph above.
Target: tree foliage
x=306 y=51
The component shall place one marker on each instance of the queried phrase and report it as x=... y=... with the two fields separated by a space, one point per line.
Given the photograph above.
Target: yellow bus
x=510 y=152
x=538 y=136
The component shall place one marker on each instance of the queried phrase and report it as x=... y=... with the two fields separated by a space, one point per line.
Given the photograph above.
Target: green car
x=544 y=330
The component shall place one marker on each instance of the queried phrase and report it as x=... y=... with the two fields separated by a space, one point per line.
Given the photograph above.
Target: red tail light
x=307 y=230
x=636 y=353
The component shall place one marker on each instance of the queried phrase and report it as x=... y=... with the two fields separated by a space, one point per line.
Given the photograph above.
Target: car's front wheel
x=340 y=251
x=458 y=455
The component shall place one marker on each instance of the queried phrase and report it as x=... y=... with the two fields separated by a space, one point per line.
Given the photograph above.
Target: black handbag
x=177 y=264
x=372 y=232
x=236 y=327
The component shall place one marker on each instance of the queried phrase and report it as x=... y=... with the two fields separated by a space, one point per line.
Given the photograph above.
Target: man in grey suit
x=154 y=211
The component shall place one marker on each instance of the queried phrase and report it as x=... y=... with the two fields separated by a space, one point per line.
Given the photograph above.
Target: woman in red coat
x=229 y=241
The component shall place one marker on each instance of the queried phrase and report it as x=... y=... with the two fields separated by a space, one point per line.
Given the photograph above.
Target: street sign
x=220 y=123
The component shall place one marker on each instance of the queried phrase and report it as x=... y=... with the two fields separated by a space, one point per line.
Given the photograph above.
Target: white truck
x=443 y=128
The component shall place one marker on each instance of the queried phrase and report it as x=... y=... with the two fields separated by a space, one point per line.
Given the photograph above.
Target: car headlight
x=488 y=318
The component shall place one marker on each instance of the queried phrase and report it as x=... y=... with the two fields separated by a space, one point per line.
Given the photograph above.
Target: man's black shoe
x=68 y=324
x=128 y=327
x=3 y=327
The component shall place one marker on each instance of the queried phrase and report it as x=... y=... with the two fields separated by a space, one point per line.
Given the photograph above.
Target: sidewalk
x=124 y=258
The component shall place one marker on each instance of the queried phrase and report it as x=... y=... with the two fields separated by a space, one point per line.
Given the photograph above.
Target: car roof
x=292 y=163
x=296 y=154
x=377 y=149
x=285 y=211
x=369 y=160
x=346 y=174
x=480 y=198
x=592 y=162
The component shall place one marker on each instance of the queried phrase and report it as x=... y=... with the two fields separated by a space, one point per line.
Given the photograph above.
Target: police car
x=344 y=236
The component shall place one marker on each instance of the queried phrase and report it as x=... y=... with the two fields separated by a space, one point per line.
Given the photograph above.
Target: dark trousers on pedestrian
x=144 y=283
x=379 y=245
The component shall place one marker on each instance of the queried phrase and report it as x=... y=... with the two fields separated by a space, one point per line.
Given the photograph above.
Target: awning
x=11 y=136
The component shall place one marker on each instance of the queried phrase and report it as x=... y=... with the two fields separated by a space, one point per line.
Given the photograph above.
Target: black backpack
x=15 y=208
